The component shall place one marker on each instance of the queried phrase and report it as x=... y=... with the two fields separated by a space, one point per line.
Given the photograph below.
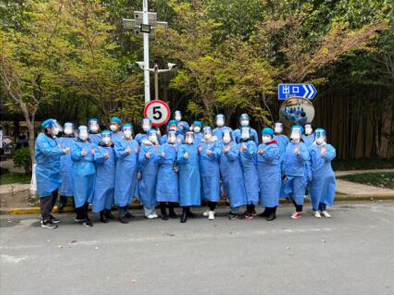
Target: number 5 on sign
x=158 y=111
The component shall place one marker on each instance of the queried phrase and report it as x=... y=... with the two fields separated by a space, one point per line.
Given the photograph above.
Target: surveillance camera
x=171 y=65
x=140 y=64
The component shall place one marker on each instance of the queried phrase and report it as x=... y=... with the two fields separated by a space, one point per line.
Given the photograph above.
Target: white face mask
x=308 y=130
x=83 y=135
x=208 y=135
x=278 y=129
x=146 y=127
x=113 y=128
x=172 y=128
x=127 y=133
x=94 y=127
x=295 y=134
x=68 y=130
x=106 y=140
x=245 y=123
x=197 y=129
x=189 y=140
x=226 y=138
x=152 y=139
x=320 y=140
x=178 y=117
x=220 y=122
x=266 y=139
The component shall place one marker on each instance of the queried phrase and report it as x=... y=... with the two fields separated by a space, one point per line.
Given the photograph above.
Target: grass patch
x=385 y=180
x=362 y=164
x=9 y=178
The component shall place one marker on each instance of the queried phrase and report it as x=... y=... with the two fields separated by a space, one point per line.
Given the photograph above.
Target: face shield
x=127 y=133
x=244 y=120
x=152 y=137
x=220 y=120
x=146 y=125
x=83 y=133
x=56 y=127
x=68 y=128
x=106 y=138
x=94 y=126
x=295 y=134
x=207 y=133
x=320 y=136
x=171 y=137
x=308 y=129
x=278 y=127
x=172 y=127
x=189 y=137
x=227 y=137
x=178 y=116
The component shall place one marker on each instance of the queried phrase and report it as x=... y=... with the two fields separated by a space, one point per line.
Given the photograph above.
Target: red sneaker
x=296 y=215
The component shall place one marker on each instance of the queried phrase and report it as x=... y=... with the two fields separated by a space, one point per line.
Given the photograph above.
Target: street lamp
x=156 y=70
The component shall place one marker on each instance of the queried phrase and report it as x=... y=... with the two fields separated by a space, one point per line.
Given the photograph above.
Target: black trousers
x=46 y=205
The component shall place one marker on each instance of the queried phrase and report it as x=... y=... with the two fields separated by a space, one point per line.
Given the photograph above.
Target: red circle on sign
x=161 y=104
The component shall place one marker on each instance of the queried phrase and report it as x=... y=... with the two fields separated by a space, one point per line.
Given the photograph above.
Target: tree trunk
x=30 y=127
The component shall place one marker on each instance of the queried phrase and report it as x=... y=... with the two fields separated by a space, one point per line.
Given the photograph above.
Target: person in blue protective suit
x=296 y=157
x=48 y=170
x=309 y=136
x=148 y=158
x=126 y=169
x=94 y=130
x=197 y=129
x=167 y=176
x=189 y=176
x=183 y=126
x=322 y=186
x=282 y=141
x=220 y=127
x=146 y=126
x=105 y=158
x=173 y=126
x=248 y=157
x=84 y=174
x=244 y=121
x=66 y=189
x=210 y=171
x=115 y=126
x=232 y=175
x=270 y=175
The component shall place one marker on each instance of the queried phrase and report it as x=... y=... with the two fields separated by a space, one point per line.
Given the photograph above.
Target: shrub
x=22 y=159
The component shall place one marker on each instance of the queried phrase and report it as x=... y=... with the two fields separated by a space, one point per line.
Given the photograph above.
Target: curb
x=36 y=210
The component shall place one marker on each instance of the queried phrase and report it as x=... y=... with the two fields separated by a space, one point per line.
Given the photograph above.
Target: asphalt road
x=351 y=253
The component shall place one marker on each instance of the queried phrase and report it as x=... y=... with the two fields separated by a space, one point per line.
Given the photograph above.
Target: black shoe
x=232 y=216
x=87 y=223
x=129 y=215
x=183 y=218
x=103 y=217
x=264 y=214
x=190 y=214
x=48 y=224
x=108 y=214
x=164 y=216
x=271 y=217
x=53 y=219
x=123 y=220
x=173 y=215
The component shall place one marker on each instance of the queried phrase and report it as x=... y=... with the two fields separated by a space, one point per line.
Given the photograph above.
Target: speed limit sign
x=158 y=111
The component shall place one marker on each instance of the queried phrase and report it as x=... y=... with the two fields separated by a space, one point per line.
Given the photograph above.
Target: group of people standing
x=187 y=165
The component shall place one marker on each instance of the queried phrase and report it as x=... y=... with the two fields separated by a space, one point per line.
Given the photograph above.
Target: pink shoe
x=296 y=215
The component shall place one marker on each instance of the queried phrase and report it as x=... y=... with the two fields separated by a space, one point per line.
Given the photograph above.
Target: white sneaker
x=316 y=214
x=152 y=216
x=211 y=215
x=206 y=213
x=326 y=214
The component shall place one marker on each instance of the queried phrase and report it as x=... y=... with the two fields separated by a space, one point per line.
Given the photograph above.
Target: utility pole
x=144 y=22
